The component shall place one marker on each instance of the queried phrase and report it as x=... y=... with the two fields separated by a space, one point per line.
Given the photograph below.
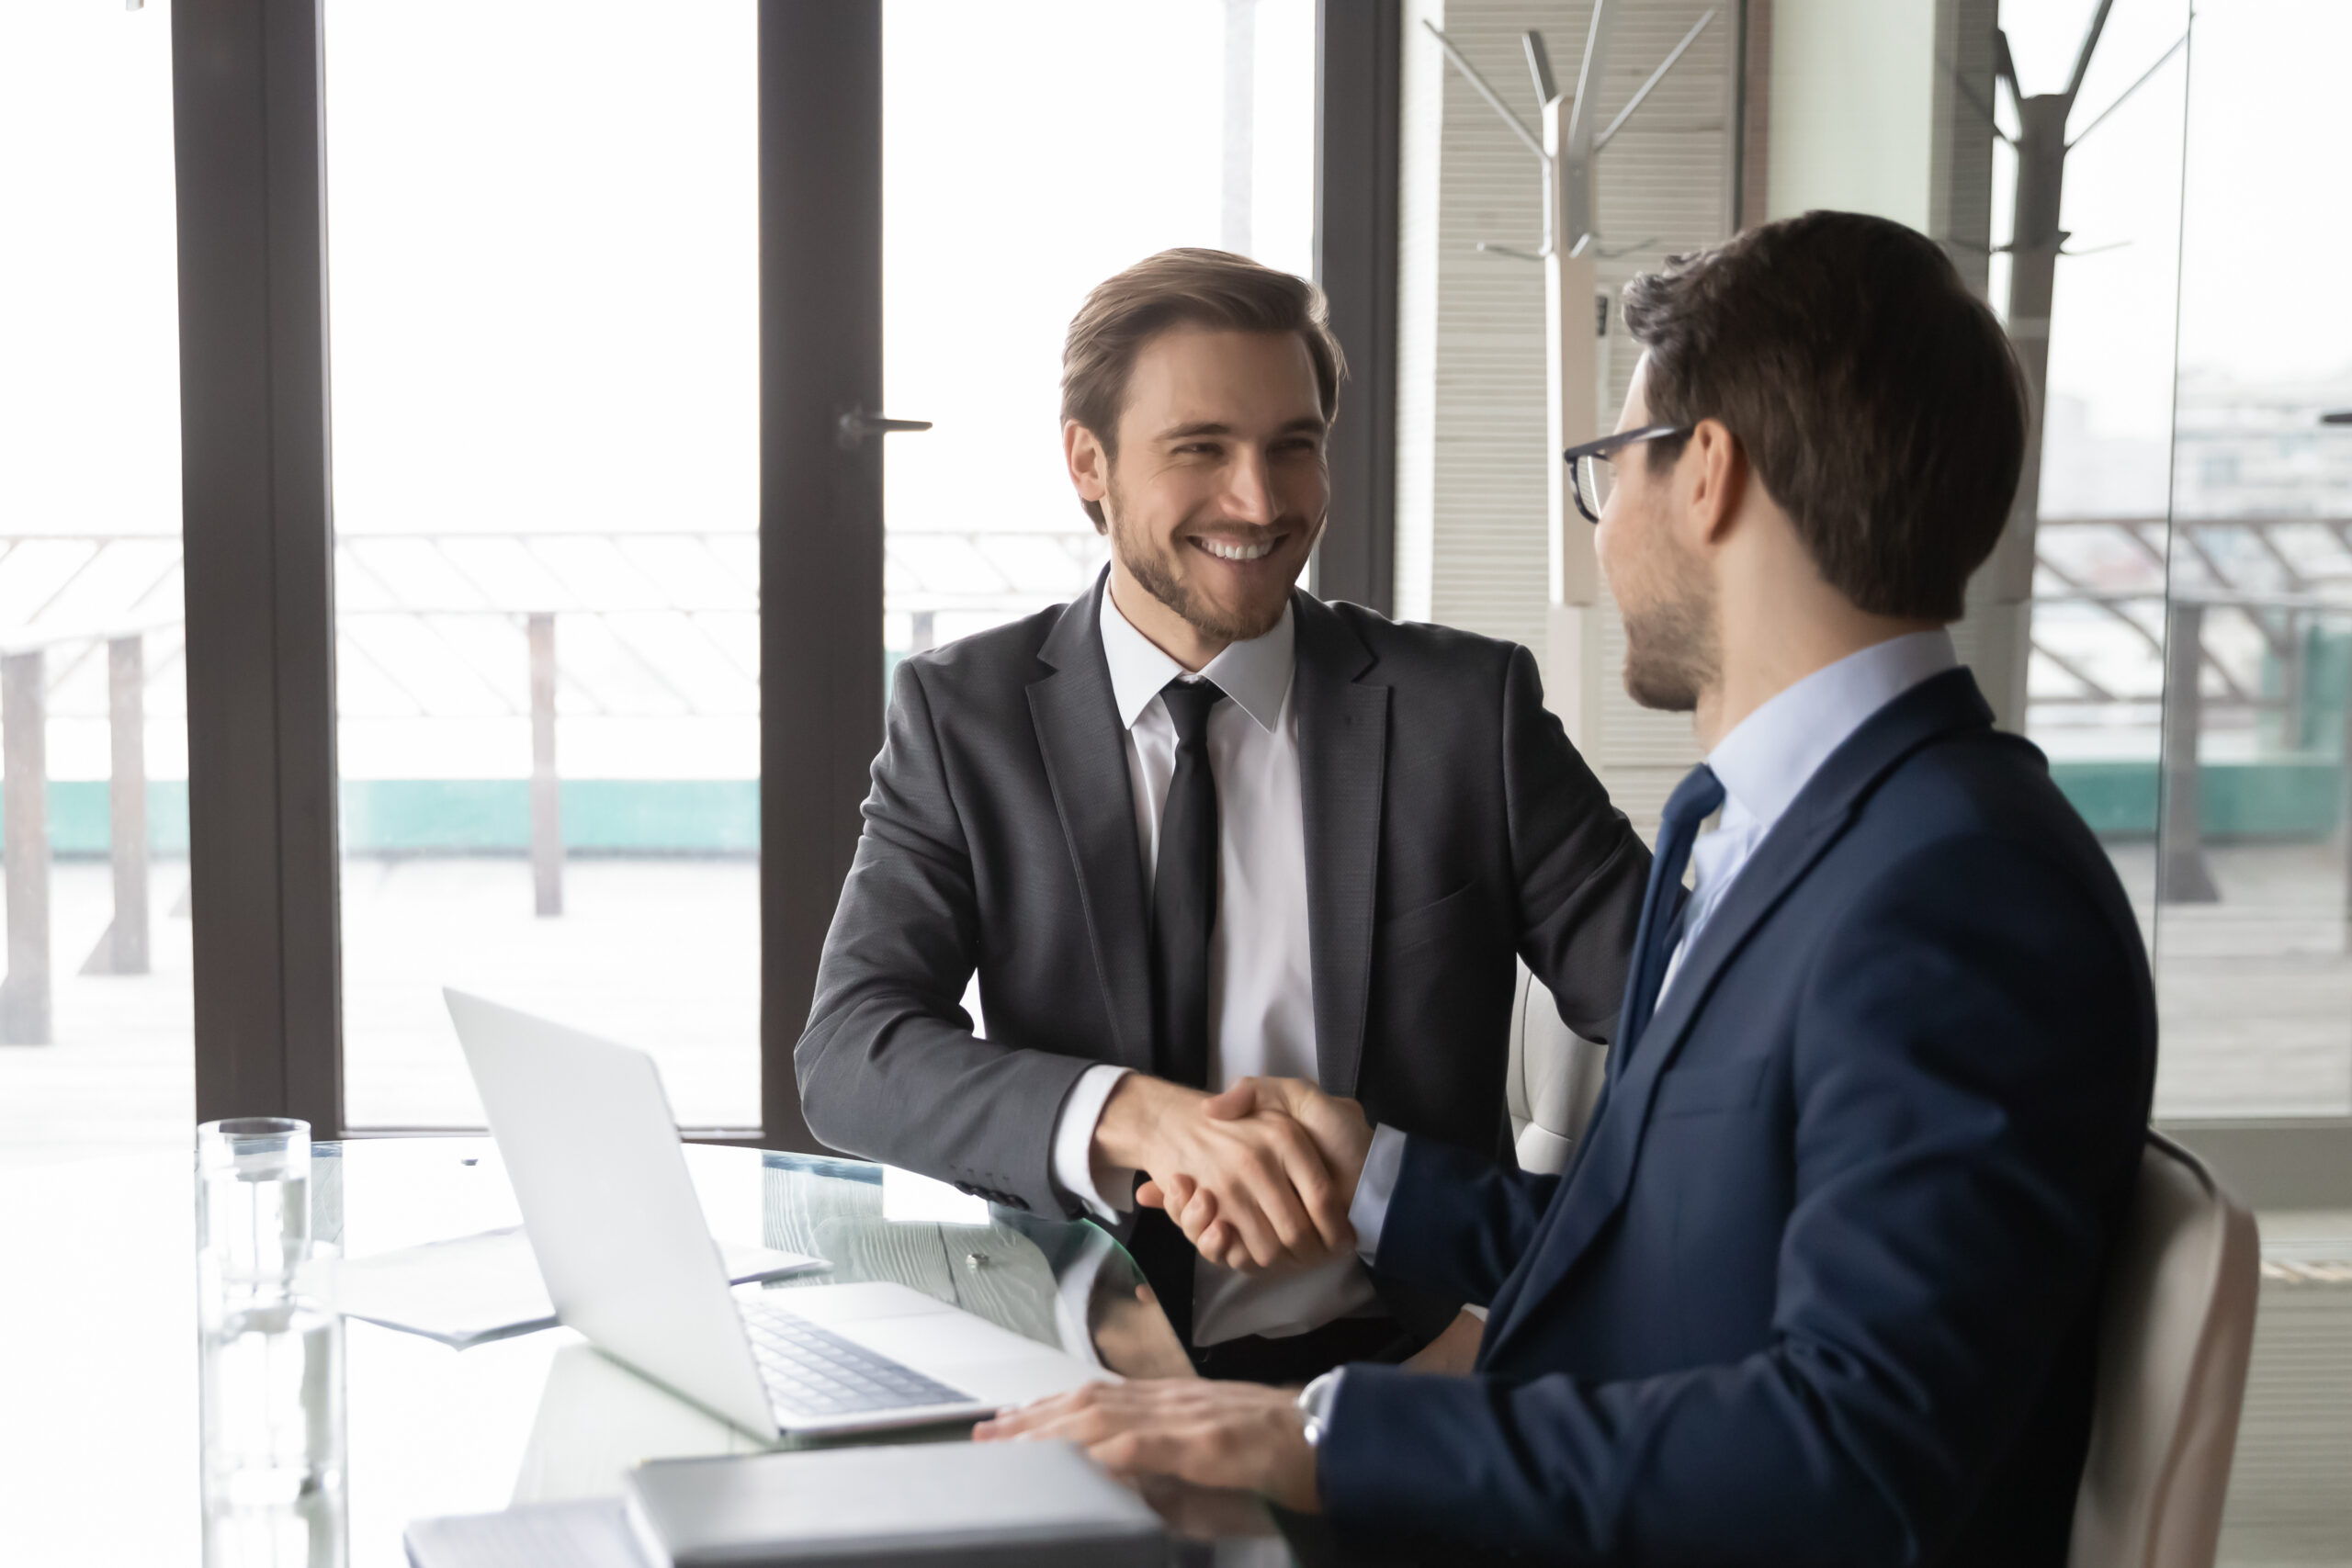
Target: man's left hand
x=1211 y=1434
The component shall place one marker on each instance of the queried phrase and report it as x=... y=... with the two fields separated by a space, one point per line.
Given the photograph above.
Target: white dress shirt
x=1261 y=993
x=1763 y=763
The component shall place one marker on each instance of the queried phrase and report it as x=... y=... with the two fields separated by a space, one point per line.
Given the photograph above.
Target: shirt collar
x=1255 y=674
x=1773 y=753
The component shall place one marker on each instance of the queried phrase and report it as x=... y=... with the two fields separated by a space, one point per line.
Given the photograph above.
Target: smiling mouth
x=1233 y=549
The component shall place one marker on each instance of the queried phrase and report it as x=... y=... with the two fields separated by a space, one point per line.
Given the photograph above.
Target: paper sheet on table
x=476 y=1288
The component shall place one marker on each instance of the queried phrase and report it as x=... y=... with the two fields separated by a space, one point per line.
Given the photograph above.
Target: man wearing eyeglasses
x=1822 y=1283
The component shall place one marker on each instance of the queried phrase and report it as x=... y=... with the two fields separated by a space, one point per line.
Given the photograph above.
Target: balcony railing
x=663 y=624
x=2213 y=625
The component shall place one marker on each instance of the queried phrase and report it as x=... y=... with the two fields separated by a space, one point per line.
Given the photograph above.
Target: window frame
x=250 y=141
x=257 y=539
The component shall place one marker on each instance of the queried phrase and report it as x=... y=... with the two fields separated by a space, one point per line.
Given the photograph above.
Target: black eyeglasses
x=1591 y=478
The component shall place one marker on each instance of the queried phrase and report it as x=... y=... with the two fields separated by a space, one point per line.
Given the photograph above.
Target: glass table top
x=99 y=1442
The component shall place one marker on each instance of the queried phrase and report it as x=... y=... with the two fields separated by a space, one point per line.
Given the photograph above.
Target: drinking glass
x=271 y=1354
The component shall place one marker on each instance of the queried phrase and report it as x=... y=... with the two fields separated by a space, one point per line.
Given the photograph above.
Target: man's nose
x=1250 y=490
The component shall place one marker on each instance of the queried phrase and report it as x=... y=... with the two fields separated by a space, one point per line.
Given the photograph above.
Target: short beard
x=1672 y=653
x=1156 y=573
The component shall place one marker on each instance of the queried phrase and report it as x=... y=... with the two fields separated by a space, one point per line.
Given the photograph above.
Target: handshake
x=1258 y=1178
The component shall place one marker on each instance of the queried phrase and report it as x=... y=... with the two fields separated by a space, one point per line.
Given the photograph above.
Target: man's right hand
x=1277 y=1200
x=1341 y=1135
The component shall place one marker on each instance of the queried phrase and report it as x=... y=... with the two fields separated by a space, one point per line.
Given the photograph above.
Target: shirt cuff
x=1315 y=1402
x=1369 y=1211
x=1074 y=1143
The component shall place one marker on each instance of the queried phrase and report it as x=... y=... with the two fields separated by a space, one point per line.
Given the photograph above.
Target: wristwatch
x=1315 y=1402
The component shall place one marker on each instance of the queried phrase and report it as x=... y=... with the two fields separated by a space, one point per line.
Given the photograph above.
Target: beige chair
x=1556 y=1075
x=2178 y=1327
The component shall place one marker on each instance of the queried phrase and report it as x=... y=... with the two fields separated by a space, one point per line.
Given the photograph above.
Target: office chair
x=1554 y=1076
x=2177 y=1329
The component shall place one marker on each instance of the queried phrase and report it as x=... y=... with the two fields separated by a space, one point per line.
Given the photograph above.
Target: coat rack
x=1576 y=317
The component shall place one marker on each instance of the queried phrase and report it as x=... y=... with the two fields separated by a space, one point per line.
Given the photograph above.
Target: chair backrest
x=1555 y=1076
x=2175 y=1330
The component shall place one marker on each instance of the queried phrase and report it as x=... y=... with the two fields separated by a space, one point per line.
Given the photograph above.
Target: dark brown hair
x=1878 y=400
x=1184 y=288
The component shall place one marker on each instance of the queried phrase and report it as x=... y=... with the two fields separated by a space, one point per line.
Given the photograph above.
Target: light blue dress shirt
x=1764 y=763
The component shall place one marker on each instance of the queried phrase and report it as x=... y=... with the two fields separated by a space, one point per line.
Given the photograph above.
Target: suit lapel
x=1342 y=765
x=1085 y=750
x=1604 y=1167
x=1821 y=812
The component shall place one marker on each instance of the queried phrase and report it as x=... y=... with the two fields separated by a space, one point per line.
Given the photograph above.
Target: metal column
x=127 y=946
x=2182 y=876
x=546 y=789
x=23 y=752
x=2344 y=797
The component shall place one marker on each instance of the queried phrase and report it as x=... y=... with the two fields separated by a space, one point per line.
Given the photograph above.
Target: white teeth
x=1225 y=551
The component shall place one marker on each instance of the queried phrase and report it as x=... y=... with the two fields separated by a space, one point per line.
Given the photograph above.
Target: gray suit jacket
x=1449 y=825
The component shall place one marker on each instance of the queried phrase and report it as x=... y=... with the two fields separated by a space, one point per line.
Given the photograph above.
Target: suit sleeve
x=1581 y=868
x=889 y=1066
x=1457 y=1223
x=1970 y=1088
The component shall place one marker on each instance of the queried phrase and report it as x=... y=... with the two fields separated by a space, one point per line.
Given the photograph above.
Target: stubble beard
x=1672 y=651
x=1154 y=571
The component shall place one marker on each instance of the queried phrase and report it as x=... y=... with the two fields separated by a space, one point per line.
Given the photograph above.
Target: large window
x=95 y=1012
x=544 y=287
x=2192 y=619
x=1032 y=151
x=2255 y=952
x=2101 y=317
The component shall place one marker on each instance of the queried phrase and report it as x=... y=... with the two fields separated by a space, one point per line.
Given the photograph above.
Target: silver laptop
x=589 y=1142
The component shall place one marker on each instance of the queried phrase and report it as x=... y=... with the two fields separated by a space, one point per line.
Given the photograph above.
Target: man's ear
x=1090 y=465
x=1714 y=470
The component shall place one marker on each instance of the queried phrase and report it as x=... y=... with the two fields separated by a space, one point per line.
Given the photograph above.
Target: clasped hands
x=1258 y=1178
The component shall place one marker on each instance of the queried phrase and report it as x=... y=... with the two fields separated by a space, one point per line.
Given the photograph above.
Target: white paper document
x=476 y=1288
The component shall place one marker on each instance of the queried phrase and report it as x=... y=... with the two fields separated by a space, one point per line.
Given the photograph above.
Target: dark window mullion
x=820 y=505
x=257 y=534
x=1359 y=46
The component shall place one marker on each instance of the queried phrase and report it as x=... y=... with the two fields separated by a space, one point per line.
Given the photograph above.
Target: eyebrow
x=1213 y=427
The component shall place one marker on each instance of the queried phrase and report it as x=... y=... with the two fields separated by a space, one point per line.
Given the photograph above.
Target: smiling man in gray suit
x=1199 y=825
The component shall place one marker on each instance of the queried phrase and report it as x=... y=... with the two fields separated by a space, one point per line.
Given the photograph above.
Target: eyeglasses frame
x=1606 y=449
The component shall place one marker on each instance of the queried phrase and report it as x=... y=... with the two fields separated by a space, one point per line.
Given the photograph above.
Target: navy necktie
x=1692 y=802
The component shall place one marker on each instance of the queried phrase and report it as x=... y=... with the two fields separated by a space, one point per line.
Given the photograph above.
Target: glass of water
x=271 y=1353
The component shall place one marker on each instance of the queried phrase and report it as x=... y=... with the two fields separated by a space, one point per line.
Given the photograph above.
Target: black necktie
x=1184 y=913
x=1183 y=892
x=1693 y=800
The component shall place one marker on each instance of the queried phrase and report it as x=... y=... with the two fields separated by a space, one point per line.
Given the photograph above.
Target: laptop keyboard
x=814 y=1372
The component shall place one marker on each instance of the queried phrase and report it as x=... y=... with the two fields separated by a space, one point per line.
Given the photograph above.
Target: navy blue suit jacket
x=1821 y=1283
